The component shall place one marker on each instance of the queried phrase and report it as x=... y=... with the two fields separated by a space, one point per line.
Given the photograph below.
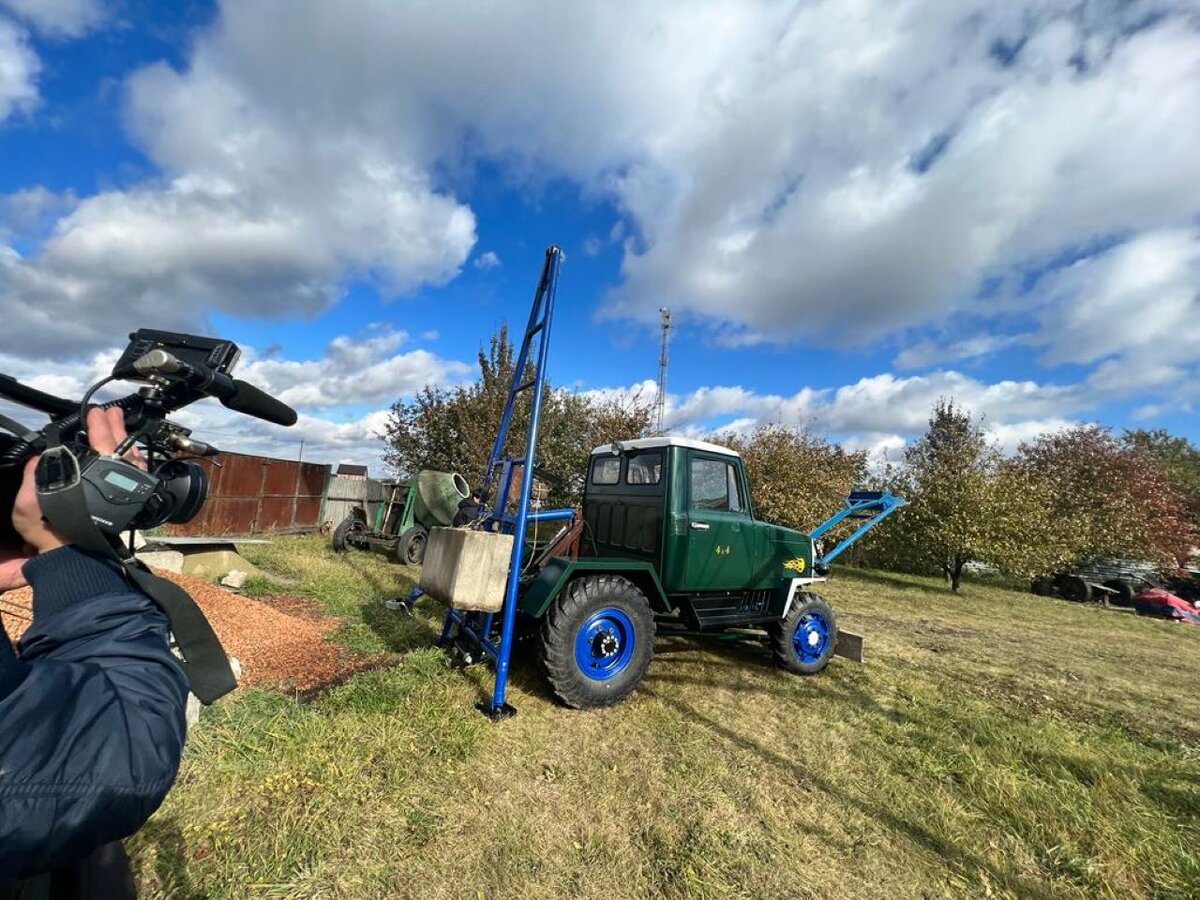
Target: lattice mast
x=663 y=357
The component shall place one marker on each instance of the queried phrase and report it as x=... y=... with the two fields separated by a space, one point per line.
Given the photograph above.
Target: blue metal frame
x=874 y=506
x=480 y=628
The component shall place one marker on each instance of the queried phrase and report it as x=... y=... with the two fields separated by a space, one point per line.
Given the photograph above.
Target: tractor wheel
x=348 y=526
x=1124 y=592
x=597 y=640
x=1043 y=587
x=410 y=550
x=803 y=641
x=1075 y=588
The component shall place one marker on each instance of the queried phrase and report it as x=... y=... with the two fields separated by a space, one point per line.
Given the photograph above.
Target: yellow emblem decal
x=797 y=564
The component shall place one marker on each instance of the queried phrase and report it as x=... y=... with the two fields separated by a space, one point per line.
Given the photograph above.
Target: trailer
x=666 y=543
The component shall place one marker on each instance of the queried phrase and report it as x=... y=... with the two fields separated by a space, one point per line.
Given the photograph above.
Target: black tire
x=803 y=642
x=1122 y=592
x=1043 y=587
x=1075 y=589
x=348 y=526
x=410 y=549
x=597 y=640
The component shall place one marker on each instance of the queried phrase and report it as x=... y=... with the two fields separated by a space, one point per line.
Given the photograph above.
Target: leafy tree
x=452 y=429
x=1178 y=457
x=949 y=478
x=1104 y=498
x=796 y=478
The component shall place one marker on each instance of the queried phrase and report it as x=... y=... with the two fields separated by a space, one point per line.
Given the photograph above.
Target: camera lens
x=183 y=486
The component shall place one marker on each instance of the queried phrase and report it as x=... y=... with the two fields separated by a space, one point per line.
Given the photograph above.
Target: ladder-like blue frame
x=478 y=628
x=874 y=506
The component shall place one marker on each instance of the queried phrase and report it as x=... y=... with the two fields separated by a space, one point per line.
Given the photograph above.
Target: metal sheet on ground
x=849 y=645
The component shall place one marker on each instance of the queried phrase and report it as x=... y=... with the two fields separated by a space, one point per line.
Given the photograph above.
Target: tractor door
x=721 y=548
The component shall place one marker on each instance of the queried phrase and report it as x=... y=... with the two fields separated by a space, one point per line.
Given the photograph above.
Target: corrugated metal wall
x=346 y=492
x=254 y=494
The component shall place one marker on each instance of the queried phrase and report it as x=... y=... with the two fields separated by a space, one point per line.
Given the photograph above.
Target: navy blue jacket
x=91 y=715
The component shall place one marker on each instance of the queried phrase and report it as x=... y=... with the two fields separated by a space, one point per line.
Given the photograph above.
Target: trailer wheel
x=1075 y=588
x=348 y=526
x=804 y=640
x=1122 y=592
x=410 y=550
x=597 y=640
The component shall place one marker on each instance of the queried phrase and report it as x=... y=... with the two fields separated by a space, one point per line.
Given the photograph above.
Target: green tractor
x=670 y=546
x=667 y=543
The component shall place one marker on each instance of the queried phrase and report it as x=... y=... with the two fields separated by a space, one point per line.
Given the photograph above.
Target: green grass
x=994 y=744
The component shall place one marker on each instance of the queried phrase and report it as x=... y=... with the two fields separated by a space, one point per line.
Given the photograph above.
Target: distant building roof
x=351 y=469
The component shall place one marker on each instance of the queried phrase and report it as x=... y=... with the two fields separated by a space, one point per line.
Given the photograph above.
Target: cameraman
x=91 y=710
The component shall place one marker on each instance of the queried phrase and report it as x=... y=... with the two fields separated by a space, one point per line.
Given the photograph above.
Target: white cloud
x=1139 y=301
x=1009 y=436
x=59 y=18
x=487 y=261
x=353 y=372
x=19 y=67
x=832 y=170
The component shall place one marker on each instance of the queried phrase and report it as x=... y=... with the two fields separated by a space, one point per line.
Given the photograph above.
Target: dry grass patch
x=994 y=744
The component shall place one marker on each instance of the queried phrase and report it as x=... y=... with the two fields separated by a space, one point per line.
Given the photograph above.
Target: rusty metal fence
x=255 y=494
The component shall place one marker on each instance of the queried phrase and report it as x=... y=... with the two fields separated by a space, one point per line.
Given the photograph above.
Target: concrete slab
x=215 y=563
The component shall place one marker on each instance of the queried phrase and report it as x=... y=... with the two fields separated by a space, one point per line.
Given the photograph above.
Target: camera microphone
x=233 y=394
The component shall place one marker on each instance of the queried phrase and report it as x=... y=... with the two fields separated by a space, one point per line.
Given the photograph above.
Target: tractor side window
x=710 y=484
x=735 y=490
x=644 y=468
x=606 y=470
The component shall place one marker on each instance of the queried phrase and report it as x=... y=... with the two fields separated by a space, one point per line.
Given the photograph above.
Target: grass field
x=993 y=745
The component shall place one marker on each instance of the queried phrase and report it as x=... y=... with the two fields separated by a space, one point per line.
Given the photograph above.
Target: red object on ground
x=280 y=641
x=1165 y=605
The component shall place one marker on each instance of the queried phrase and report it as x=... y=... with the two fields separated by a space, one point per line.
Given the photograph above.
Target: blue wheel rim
x=810 y=640
x=604 y=644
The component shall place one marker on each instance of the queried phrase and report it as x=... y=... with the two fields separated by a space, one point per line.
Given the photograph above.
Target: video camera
x=89 y=498
x=176 y=370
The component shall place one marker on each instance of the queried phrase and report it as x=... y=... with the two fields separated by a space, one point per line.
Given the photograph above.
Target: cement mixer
x=400 y=525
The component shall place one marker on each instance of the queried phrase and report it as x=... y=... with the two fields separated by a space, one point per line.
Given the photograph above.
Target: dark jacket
x=91 y=716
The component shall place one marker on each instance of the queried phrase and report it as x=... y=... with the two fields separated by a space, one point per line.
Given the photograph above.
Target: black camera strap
x=205 y=662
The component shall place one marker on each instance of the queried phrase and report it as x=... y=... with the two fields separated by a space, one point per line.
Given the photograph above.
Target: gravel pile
x=280 y=641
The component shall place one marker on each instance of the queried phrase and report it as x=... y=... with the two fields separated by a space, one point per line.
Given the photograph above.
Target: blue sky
x=852 y=210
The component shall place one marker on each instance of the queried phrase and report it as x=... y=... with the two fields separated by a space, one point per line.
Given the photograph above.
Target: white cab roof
x=651 y=443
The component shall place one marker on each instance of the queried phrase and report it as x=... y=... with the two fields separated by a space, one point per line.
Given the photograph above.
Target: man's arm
x=91 y=715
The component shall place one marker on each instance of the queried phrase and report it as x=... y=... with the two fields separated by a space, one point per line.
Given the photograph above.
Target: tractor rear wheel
x=597 y=640
x=804 y=640
x=410 y=549
x=348 y=526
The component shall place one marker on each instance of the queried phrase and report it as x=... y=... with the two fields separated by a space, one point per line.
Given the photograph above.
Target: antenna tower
x=661 y=400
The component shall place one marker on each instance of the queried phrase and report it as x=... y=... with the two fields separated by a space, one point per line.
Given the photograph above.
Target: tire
x=1124 y=592
x=597 y=640
x=1075 y=588
x=803 y=642
x=1043 y=587
x=348 y=526
x=410 y=549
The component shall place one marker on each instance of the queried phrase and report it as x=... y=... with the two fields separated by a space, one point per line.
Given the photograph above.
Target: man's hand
x=105 y=430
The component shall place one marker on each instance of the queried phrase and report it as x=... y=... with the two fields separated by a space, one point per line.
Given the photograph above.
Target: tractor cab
x=684 y=506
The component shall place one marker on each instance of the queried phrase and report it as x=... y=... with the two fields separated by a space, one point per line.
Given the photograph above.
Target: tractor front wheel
x=597 y=640
x=348 y=526
x=803 y=641
x=410 y=550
